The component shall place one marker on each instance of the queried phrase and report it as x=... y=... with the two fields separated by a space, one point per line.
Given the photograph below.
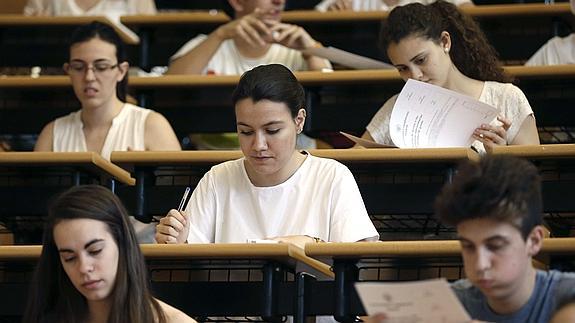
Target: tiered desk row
x=272 y=281
x=260 y=280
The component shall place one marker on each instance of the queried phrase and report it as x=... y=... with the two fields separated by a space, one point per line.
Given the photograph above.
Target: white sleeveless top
x=127 y=130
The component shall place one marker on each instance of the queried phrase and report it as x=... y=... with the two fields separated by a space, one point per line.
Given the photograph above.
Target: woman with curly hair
x=439 y=45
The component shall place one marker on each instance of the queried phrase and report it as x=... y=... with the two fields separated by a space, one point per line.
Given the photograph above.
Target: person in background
x=113 y=8
x=557 y=51
x=255 y=37
x=375 y=5
x=91 y=268
x=97 y=67
x=439 y=45
x=274 y=191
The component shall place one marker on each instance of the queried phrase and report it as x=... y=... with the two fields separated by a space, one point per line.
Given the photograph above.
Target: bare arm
x=527 y=134
x=296 y=37
x=159 y=134
x=249 y=28
x=45 y=139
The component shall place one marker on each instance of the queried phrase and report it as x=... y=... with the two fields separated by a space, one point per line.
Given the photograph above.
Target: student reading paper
x=496 y=207
x=439 y=45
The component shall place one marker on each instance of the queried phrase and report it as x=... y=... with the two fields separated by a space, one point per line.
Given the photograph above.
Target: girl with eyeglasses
x=98 y=68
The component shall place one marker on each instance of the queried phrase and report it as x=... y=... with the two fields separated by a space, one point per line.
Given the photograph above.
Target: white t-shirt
x=227 y=60
x=506 y=97
x=556 y=51
x=127 y=130
x=321 y=199
x=111 y=8
x=373 y=5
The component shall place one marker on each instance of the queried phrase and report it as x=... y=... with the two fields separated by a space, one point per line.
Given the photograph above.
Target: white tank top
x=127 y=130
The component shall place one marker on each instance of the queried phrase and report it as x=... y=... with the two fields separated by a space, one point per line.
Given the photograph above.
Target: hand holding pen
x=174 y=227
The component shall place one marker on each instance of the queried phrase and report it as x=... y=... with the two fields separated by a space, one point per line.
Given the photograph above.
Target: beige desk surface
x=479 y=11
x=219 y=251
x=41 y=21
x=556 y=151
x=426 y=248
x=174 y=18
x=424 y=155
x=90 y=161
x=306 y=78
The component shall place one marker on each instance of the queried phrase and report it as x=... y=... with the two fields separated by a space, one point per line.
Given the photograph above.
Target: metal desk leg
x=272 y=275
x=346 y=272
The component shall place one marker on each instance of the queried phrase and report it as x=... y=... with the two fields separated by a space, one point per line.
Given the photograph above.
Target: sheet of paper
x=427 y=115
x=412 y=302
x=364 y=142
x=348 y=59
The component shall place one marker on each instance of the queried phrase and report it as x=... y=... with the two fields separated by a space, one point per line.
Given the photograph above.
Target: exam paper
x=426 y=116
x=364 y=142
x=339 y=56
x=412 y=302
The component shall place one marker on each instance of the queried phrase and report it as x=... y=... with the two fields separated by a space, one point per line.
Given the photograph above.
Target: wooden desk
x=346 y=259
x=270 y=294
x=387 y=178
x=28 y=180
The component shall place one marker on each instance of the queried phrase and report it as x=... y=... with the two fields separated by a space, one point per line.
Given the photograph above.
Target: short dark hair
x=470 y=51
x=52 y=294
x=273 y=82
x=106 y=33
x=499 y=187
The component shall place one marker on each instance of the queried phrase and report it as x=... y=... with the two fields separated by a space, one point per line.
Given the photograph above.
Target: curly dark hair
x=500 y=187
x=470 y=51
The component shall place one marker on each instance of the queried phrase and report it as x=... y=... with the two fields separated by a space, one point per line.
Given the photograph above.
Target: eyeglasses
x=97 y=68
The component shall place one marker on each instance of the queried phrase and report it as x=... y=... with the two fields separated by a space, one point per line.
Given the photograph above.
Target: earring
x=446 y=49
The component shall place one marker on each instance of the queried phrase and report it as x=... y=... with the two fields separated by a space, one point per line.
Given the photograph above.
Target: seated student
x=557 y=51
x=496 y=207
x=274 y=191
x=256 y=36
x=374 y=5
x=91 y=268
x=97 y=67
x=115 y=8
x=565 y=312
x=439 y=45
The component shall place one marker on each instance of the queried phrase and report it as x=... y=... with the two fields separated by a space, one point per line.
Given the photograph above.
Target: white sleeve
x=324 y=5
x=538 y=59
x=191 y=44
x=145 y=7
x=36 y=8
x=201 y=211
x=378 y=127
x=349 y=221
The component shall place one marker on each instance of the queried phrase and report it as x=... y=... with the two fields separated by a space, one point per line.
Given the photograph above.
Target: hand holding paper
x=427 y=115
x=417 y=301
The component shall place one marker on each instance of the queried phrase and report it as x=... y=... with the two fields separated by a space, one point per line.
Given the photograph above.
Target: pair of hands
x=492 y=136
x=258 y=31
x=174 y=228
